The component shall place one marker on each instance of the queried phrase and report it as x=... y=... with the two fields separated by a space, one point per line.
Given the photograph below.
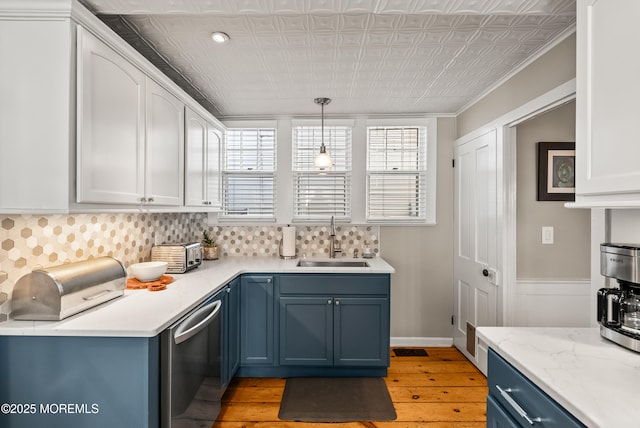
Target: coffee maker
x=619 y=308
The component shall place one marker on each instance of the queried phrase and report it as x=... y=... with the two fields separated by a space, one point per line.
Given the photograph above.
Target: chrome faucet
x=332 y=240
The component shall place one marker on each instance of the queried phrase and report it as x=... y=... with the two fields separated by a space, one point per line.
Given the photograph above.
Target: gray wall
x=569 y=256
x=422 y=287
x=552 y=69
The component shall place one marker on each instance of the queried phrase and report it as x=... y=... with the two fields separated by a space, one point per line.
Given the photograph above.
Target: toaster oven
x=180 y=257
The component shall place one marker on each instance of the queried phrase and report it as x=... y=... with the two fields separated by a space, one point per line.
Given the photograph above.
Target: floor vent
x=410 y=352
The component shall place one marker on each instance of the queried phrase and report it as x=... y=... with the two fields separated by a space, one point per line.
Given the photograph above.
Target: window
x=320 y=194
x=248 y=177
x=397 y=174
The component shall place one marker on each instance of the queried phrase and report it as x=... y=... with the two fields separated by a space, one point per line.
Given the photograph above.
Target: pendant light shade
x=322 y=160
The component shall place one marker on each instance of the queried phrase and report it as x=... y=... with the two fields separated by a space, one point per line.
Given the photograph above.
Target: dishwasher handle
x=195 y=322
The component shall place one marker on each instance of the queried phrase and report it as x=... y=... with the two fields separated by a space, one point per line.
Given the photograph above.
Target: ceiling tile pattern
x=369 y=56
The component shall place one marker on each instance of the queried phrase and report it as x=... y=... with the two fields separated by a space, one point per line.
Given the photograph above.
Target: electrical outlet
x=547 y=234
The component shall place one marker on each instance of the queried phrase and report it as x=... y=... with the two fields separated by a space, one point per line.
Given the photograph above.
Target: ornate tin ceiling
x=368 y=56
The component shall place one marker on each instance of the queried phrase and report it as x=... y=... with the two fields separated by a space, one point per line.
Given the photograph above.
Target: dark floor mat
x=321 y=399
x=410 y=352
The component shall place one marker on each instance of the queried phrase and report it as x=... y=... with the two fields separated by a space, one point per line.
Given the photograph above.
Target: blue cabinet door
x=306 y=330
x=361 y=331
x=257 y=320
x=233 y=322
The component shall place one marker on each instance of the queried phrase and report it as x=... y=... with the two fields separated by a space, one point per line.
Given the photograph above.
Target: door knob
x=485 y=272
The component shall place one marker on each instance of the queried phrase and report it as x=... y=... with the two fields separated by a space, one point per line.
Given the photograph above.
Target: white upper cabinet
x=130 y=132
x=164 y=143
x=111 y=115
x=35 y=118
x=607 y=112
x=87 y=123
x=203 y=144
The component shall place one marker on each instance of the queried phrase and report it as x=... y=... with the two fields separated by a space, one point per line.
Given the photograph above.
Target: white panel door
x=111 y=97
x=164 y=172
x=475 y=247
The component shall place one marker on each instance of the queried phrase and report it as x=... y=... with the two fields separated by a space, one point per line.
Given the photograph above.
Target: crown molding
x=561 y=37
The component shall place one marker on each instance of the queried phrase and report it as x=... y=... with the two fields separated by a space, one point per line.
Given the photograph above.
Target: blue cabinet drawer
x=497 y=417
x=332 y=284
x=522 y=399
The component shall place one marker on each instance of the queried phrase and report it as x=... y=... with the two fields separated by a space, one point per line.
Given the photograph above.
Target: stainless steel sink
x=332 y=263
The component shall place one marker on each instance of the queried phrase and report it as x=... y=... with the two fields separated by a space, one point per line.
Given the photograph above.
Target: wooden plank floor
x=442 y=390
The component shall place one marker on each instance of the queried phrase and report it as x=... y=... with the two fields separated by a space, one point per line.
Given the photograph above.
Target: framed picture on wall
x=556 y=171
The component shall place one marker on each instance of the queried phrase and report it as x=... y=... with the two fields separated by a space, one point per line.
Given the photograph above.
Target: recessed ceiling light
x=219 y=37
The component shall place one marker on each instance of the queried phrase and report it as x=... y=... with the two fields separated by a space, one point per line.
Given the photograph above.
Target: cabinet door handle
x=329 y=302
x=268 y=280
x=143 y=200
x=337 y=302
x=505 y=394
x=150 y=199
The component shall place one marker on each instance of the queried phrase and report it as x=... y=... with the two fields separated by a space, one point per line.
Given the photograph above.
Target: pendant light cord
x=322 y=124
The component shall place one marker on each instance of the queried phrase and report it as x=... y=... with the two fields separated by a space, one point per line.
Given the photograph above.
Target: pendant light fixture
x=322 y=160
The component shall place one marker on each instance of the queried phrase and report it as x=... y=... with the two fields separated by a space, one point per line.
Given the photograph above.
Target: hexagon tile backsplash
x=29 y=242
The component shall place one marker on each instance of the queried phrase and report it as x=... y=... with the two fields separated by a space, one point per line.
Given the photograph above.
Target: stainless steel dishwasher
x=191 y=369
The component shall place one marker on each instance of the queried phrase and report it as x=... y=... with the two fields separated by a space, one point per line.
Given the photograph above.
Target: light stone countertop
x=141 y=313
x=594 y=379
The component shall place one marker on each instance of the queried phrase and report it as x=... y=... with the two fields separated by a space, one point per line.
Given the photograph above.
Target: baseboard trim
x=436 y=342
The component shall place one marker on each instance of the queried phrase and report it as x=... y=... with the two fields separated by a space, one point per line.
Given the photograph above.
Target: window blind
x=396 y=174
x=248 y=177
x=320 y=194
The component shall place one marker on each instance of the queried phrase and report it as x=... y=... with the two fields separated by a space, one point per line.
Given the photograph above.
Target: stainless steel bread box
x=58 y=292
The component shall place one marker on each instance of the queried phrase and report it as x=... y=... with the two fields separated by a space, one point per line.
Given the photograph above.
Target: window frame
x=428 y=174
x=346 y=173
x=225 y=173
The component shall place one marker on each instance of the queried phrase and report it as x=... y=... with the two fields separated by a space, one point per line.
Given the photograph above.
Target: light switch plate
x=547 y=234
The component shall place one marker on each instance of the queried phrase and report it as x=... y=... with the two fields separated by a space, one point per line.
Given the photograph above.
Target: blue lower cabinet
x=233 y=328
x=347 y=328
x=257 y=320
x=515 y=401
x=230 y=297
x=79 y=382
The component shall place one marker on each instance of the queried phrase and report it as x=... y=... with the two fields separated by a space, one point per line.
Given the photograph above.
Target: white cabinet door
x=111 y=106
x=35 y=119
x=196 y=141
x=203 y=162
x=214 y=147
x=607 y=112
x=164 y=142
